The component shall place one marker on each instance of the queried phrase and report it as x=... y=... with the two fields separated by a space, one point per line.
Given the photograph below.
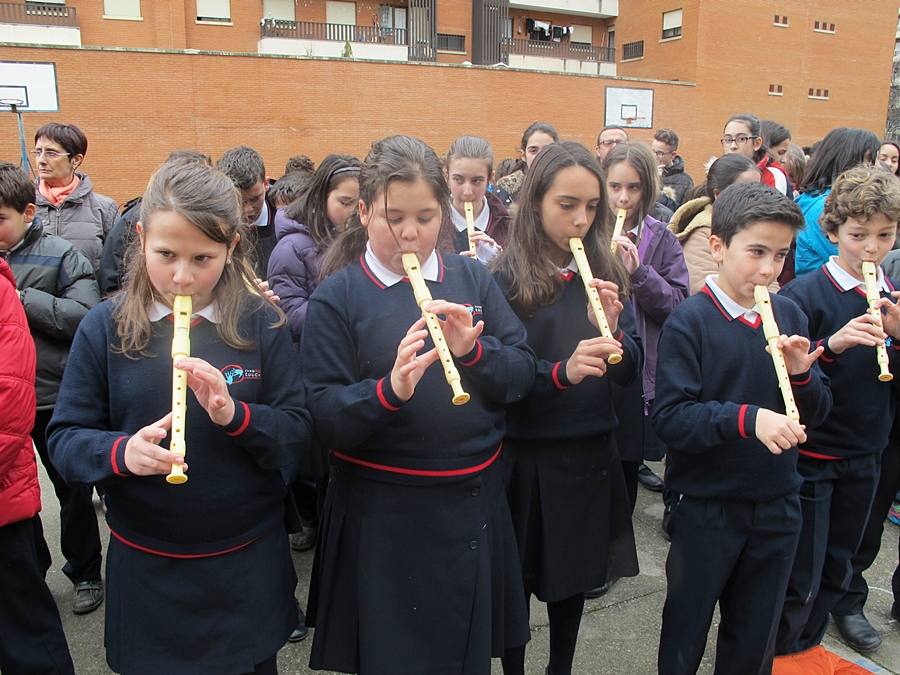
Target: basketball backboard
x=627 y=107
x=33 y=84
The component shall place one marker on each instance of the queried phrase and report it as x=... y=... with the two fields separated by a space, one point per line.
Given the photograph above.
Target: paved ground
x=619 y=633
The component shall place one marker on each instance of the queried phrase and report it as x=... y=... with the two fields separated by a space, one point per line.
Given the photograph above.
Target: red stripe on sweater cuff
x=114 y=460
x=742 y=414
x=555 y=375
x=246 y=423
x=382 y=399
x=479 y=350
x=800 y=383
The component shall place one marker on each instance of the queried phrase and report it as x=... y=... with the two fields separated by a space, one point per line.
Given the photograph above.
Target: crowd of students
x=317 y=417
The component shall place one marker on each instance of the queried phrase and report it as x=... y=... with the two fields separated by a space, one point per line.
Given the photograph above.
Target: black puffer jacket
x=676 y=184
x=58 y=288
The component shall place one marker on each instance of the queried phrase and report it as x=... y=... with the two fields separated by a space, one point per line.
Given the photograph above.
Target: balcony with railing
x=39 y=23
x=596 y=9
x=309 y=38
x=565 y=57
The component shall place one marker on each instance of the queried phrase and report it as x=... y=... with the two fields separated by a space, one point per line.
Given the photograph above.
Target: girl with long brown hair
x=564 y=479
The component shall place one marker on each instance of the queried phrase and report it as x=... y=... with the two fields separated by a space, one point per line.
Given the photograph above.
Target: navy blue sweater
x=235 y=490
x=714 y=375
x=353 y=327
x=555 y=409
x=863 y=410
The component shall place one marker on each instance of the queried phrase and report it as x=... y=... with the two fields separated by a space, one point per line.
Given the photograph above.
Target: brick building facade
x=145 y=77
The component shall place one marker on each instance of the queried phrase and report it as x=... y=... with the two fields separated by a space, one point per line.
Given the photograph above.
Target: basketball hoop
x=11 y=103
x=629 y=121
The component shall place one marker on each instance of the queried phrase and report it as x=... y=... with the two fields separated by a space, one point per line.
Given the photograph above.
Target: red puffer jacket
x=20 y=492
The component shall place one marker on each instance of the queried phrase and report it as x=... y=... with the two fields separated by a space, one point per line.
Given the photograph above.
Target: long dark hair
x=533 y=278
x=773 y=134
x=311 y=207
x=395 y=158
x=640 y=158
x=724 y=171
x=841 y=149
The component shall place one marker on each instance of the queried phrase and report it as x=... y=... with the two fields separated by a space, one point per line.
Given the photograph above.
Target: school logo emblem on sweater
x=235 y=373
x=475 y=310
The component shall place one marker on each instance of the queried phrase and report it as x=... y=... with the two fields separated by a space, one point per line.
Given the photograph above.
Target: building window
x=281 y=10
x=611 y=38
x=823 y=27
x=218 y=11
x=780 y=20
x=819 y=94
x=671 y=24
x=776 y=90
x=121 y=9
x=508 y=29
x=340 y=12
x=582 y=34
x=450 y=43
x=633 y=50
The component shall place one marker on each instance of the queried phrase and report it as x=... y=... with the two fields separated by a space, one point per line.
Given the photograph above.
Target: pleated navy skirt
x=571 y=515
x=219 y=615
x=415 y=576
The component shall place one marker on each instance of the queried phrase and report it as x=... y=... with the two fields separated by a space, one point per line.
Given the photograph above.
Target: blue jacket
x=813 y=247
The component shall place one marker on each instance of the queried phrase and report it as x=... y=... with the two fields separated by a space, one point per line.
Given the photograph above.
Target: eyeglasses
x=49 y=154
x=659 y=153
x=740 y=140
x=611 y=142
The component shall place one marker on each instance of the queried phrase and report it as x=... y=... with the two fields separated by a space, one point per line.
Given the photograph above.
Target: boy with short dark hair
x=246 y=169
x=57 y=288
x=840 y=461
x=732 y=451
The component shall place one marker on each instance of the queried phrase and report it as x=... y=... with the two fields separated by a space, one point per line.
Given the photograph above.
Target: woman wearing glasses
x=744 y=135
x=66 y=201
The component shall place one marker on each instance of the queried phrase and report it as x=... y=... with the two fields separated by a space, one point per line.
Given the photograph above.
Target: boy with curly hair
x=840 y=460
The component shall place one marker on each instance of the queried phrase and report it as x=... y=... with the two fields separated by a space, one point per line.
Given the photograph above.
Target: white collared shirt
x=571 y=267
x=733 y=308
x=481 y=222
x=263 y=219
x=430 y=268
x=159 y=311
x=848 y=282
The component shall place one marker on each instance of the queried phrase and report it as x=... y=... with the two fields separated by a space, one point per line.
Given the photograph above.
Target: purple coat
x=294 y=270
x=659 y=283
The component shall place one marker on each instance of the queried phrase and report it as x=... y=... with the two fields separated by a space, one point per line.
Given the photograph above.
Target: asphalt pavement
x=619 y=632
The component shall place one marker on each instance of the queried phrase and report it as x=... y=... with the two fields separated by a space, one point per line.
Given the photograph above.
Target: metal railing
x=633 y=50
x=450 y=43
x=558 y=50
x=333 y=32
x=38 y=14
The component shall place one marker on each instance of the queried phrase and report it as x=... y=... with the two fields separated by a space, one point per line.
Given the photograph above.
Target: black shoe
x=88 y=596
x=650 y=480
x=305 y=539
x=299 y=633
x=600 y=591
x=857 y=632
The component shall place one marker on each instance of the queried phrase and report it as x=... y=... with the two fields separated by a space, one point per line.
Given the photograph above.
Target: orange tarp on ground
x=816 y=661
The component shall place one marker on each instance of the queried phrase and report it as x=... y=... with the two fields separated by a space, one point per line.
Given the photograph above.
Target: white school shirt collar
x=430 y=268
x=159 y=311
x=848 y=282
x=481 y=222
x=734 y=309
